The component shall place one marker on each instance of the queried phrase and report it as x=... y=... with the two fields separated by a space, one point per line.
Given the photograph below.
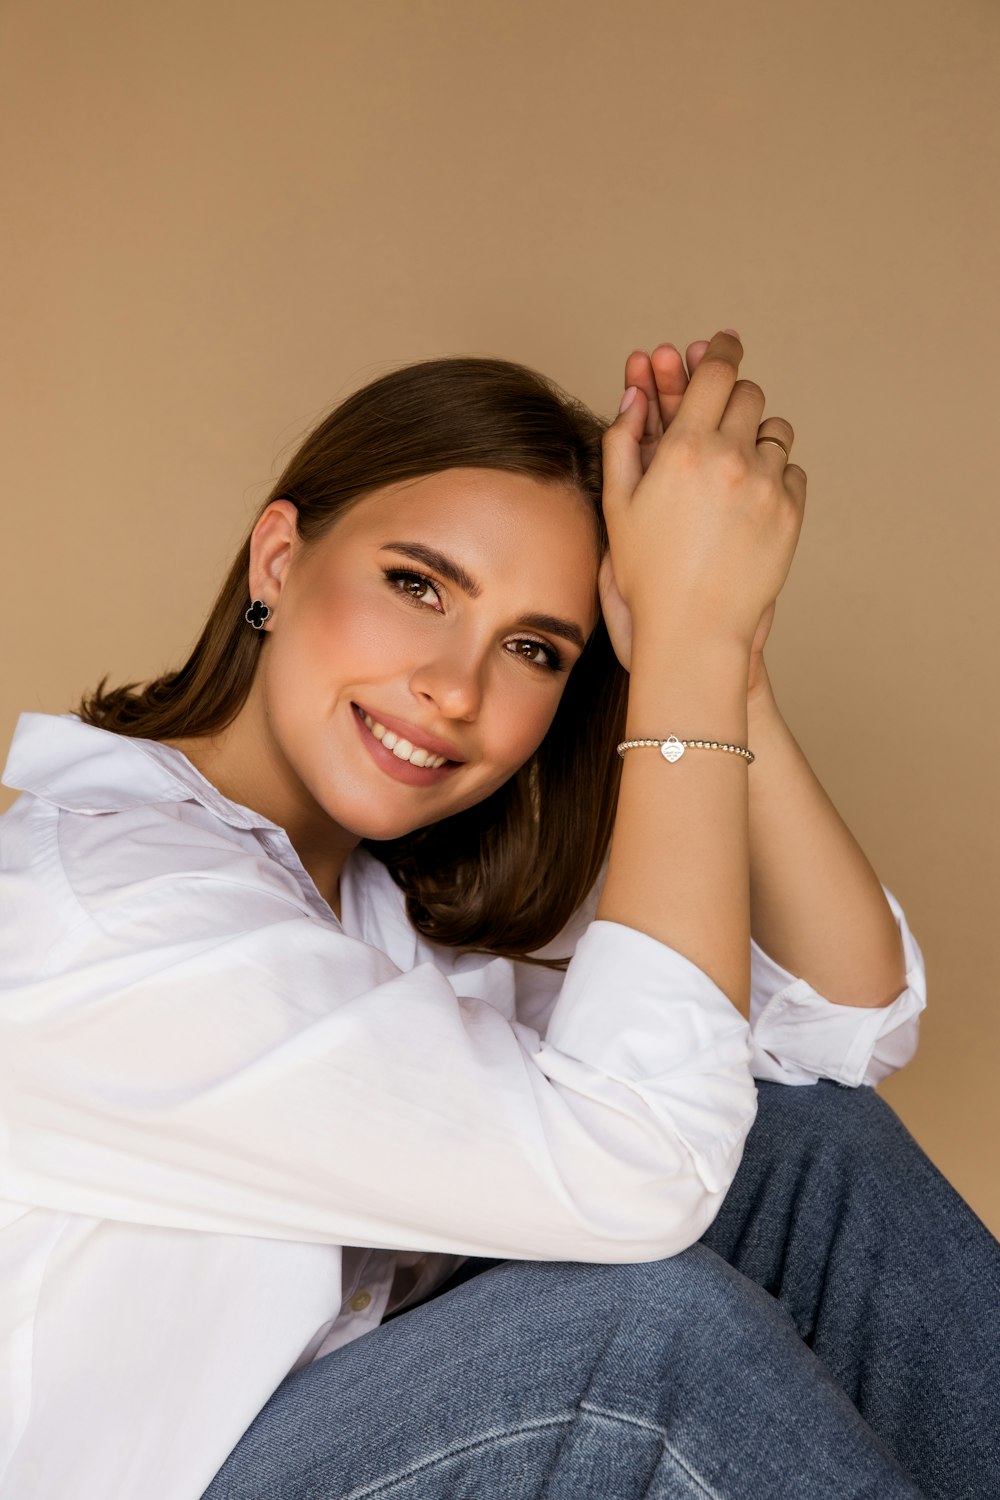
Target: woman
x=375 y=1124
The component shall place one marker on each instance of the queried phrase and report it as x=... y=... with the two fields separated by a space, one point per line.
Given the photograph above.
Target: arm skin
x=816 y=905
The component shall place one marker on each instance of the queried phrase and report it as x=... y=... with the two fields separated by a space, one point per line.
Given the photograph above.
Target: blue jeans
x=834 y=1335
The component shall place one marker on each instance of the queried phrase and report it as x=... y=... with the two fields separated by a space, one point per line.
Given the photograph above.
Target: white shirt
x=227 y=1118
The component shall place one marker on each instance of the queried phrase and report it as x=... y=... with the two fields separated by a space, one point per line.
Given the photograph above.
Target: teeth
x=402 y=749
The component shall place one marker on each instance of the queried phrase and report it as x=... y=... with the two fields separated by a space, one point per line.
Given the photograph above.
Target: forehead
x=502 y=527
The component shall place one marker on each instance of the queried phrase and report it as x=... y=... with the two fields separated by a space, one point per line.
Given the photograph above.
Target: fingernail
x=733 y=332
x=628 y=398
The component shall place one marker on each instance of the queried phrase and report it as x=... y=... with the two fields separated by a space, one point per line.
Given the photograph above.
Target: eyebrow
x=457 y=575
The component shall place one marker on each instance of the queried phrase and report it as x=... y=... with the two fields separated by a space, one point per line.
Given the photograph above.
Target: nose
x=453 y=682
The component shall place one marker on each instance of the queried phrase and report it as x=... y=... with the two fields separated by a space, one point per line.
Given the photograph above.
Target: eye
x=395 y=575
x=552 y=661
x=414 y=585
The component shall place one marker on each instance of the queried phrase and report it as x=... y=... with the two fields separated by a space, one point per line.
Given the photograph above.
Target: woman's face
x=354 y=630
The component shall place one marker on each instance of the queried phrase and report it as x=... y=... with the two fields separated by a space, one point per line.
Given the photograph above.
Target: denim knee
x=813 y=1107
x=693 y=1288
x=829 y=1119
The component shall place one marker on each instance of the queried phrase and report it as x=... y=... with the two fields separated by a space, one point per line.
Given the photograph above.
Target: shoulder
x=158 y=842
x=64 y=871
x=105 y=820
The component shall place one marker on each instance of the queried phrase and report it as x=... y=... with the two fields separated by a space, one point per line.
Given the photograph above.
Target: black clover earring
x=257 y=614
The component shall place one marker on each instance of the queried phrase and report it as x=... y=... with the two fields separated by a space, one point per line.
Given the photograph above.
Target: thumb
x=620 y=445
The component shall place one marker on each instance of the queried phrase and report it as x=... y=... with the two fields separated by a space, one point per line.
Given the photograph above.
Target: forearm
x=678 y=868
x=816 y=905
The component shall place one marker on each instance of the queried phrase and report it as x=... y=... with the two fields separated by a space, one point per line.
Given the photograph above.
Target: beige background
x=225 y=215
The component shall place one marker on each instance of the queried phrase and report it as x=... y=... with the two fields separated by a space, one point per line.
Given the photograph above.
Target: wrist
x=689 y=688
x=766 y=726
x=679 y=647
x=761 y=703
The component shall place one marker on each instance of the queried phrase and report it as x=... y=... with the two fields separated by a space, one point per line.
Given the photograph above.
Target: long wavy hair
x=503 y=876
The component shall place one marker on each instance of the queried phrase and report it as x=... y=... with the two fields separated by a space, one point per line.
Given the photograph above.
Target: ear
x=274 y=541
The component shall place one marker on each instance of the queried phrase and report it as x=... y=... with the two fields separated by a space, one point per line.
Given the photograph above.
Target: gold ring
x=777 y=442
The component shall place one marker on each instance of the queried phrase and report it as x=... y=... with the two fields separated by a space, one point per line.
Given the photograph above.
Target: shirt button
x=360 y=1301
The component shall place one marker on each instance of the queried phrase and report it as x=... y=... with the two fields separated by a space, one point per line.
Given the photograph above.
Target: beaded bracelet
x=672 y=748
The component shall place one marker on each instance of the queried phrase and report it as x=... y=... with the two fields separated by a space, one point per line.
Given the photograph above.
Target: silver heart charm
x=672 y=749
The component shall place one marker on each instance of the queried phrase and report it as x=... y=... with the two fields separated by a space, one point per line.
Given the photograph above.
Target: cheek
x=518 y=720
x=334 y=644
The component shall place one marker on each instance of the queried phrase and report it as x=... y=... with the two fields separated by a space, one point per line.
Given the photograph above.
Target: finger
x=639 y=371
x=671 y=380
x=710 y=387
x=795 y=482
x=741 y=418
x=770 y=433
x=622 y=459
x=695 y=353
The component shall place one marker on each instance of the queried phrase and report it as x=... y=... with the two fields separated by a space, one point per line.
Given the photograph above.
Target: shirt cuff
x=799 y=1036
x=641 y=1014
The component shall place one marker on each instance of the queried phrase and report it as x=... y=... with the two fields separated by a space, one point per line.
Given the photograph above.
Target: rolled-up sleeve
x=215 y=1059
x=639 y=1018
x=799 y=1036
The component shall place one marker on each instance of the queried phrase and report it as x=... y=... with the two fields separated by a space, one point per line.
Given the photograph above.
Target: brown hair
x=505 y=875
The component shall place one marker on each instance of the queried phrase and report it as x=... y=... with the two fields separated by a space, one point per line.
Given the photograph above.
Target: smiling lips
x=403 y=749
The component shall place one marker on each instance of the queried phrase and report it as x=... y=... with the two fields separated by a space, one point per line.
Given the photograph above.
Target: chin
x=358 y=809
x=379 y=824
x=381 y=832
x=381 y=828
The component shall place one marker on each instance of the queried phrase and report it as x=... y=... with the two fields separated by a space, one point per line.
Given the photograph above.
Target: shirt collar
x=82 y=768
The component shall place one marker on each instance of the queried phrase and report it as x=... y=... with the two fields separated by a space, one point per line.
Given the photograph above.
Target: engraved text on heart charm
x=672 y=749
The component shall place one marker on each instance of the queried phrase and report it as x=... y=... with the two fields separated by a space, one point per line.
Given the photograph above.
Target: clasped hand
x=663 y=379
